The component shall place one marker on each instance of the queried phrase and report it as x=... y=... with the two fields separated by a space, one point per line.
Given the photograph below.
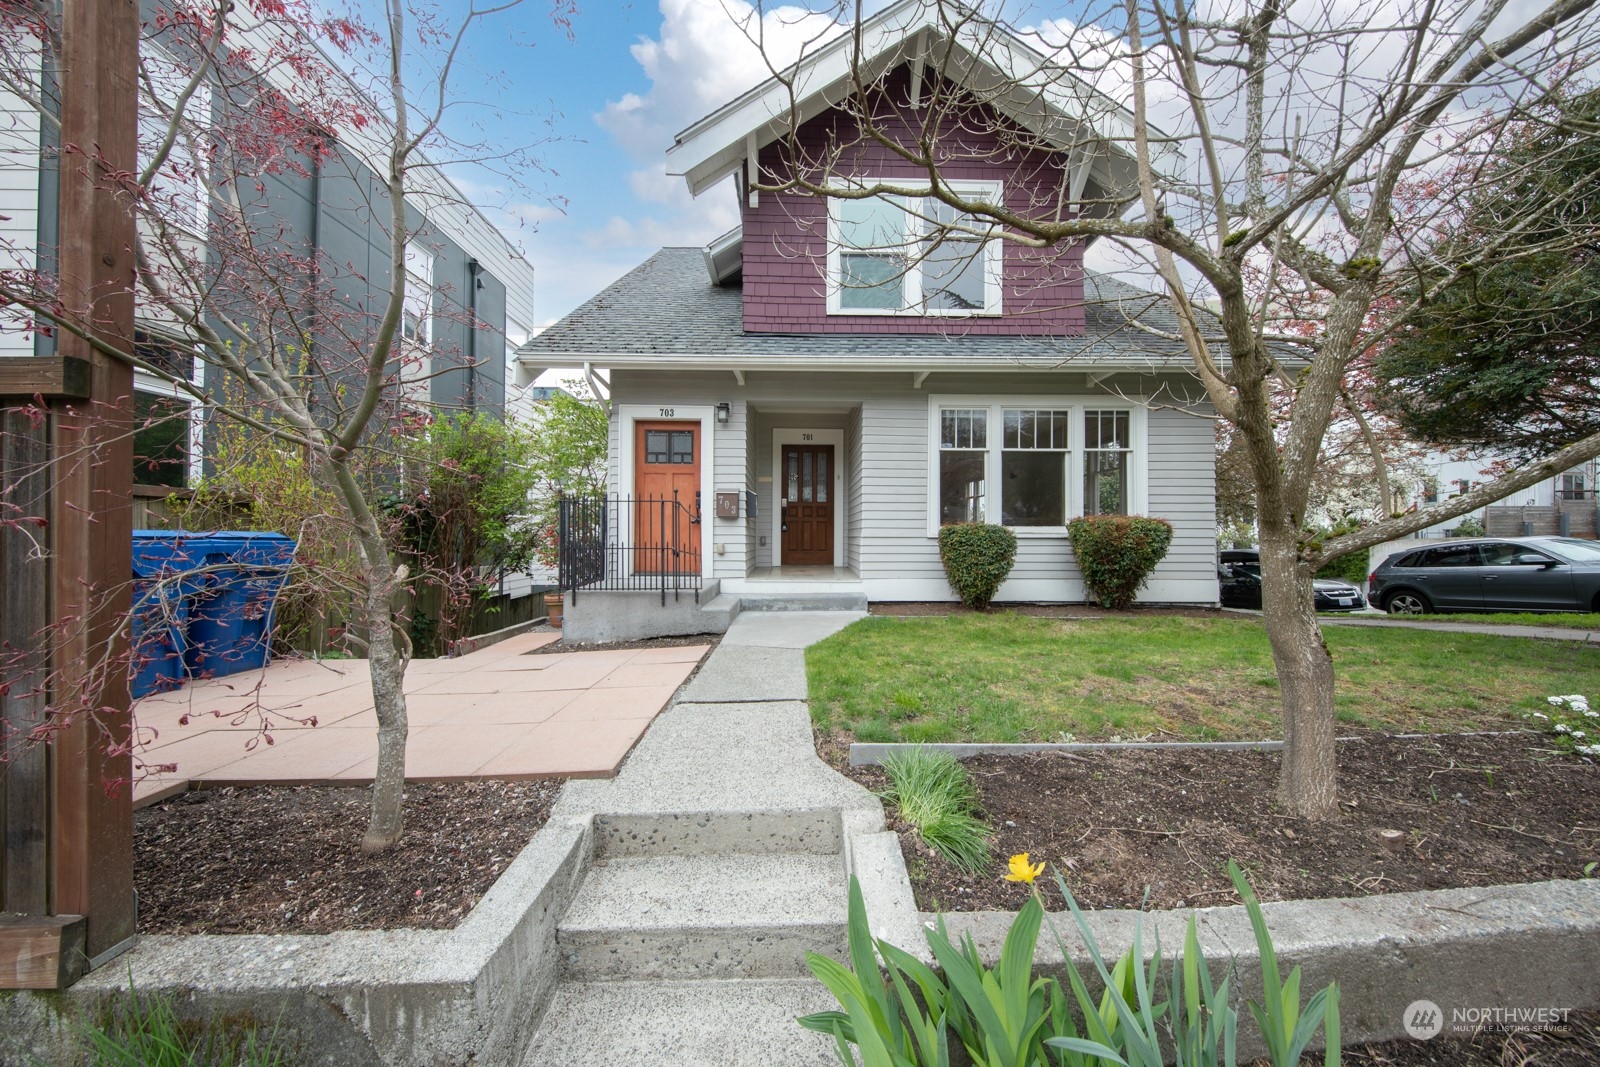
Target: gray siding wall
x=886 y=465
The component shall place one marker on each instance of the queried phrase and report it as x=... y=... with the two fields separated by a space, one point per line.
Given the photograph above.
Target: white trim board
x=627 y=415
x=785 y=435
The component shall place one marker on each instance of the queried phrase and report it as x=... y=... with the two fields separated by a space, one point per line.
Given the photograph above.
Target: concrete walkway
x=1378 y=618
x=722 y=851
x=498 y=712
x=1549 y=633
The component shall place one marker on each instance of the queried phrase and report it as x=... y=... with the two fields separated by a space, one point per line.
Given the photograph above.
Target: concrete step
x=685 y=1024
x=814 y=831
x=830 y=601
x=721 y=609
x=699 y=917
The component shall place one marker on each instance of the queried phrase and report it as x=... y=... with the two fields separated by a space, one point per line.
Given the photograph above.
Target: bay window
x=1035 y=464
x=913 y=256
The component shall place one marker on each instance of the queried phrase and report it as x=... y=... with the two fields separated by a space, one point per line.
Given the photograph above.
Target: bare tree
x=234 y=95
x=1271 y=164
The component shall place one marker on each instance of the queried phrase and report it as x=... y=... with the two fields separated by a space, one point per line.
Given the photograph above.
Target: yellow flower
x=1022 y=870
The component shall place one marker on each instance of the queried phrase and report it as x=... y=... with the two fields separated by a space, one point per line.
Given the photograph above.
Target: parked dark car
x=1491 y=574
x=1239 y=574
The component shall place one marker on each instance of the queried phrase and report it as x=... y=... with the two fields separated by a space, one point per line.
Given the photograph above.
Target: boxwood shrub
x=1116 y=554
x=977 y=556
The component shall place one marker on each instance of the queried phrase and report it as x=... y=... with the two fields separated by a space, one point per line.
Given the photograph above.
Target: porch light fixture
x=723 y=411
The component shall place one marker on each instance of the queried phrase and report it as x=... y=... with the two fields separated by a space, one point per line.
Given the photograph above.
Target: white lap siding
x=886 y=467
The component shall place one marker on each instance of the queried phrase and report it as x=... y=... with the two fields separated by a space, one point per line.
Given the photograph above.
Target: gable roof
x=666 y=313
x=1015 y=78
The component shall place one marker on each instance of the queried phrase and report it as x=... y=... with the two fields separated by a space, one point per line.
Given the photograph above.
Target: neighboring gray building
x=462 y=269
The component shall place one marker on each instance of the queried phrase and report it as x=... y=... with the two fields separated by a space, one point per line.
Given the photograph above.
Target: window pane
x=805 y=477
x=162 y=354
x=1106 y=429
x=1034 y=488
x=963 y=428
x=683 y=447
x=1105 y=483
x=655 y=446
x=160 y=441
x=822 y=477
x=1035 y=429
x=794 y=477
x=872 y=223
x=873 y=282
x=953 y=276
x=961 y=487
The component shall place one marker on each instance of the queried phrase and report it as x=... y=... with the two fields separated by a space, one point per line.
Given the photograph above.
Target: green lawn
x=1565 y=620
x=1008 y=678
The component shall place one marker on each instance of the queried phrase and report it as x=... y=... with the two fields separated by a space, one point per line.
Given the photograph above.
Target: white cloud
x=709 y=52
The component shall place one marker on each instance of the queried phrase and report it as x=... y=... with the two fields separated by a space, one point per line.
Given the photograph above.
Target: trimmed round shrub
x=1116 y=554
x=977 y=557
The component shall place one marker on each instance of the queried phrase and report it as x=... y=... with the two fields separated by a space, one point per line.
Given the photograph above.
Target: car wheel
x=1406 y=602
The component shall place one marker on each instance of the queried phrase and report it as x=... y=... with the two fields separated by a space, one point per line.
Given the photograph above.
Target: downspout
x=472 y=334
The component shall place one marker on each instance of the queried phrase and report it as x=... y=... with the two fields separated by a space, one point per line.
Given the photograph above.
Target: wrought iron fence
x=629 y=543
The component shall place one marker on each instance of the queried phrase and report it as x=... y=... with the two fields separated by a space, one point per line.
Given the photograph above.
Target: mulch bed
x=934 y=608
x=287 y=859
x=606 y=646
x=1575 y=1045
x=1475 y=810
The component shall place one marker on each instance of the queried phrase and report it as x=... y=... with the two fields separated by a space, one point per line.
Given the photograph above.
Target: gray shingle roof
x=668 y=307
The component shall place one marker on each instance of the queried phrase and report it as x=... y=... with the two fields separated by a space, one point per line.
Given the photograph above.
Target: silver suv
x=1490 y=574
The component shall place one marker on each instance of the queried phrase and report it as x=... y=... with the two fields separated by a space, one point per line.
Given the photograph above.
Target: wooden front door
x=666 y=487
x=807 y=501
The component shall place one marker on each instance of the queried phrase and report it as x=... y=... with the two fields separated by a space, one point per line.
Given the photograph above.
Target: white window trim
x=993 y=261
x=784 y=435
x=1138 y=467
x=627 y=415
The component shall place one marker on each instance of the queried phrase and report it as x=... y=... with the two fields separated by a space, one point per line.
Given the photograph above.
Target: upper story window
x=914 y=256
x=416 y=326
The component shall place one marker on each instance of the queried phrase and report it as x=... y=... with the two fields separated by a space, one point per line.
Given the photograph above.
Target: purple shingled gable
x=785 y=236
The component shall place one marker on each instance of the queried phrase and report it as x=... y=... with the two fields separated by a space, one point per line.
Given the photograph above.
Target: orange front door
x=666 y=486
x=807 y=499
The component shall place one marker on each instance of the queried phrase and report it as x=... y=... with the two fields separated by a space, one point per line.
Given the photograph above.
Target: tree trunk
x=387 y=666
x=1308 y=783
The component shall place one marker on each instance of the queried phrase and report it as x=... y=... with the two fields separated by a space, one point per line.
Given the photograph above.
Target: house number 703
x=667 y=413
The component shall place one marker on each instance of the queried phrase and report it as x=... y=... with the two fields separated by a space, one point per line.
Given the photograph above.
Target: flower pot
x=552 y=608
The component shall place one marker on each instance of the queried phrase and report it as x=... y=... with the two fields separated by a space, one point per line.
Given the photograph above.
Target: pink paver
x=495 y=713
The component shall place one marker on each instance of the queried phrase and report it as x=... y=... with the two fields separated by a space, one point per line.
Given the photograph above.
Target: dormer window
x=913 y=256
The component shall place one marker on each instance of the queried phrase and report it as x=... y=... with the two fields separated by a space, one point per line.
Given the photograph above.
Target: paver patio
x=496 y=713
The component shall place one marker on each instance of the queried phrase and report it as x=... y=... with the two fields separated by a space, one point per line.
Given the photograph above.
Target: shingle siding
x=785 y=235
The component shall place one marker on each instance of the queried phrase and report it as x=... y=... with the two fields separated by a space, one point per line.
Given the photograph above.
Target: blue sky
x=613 y=95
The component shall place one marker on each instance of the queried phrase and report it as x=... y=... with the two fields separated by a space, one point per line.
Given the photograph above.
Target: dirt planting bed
x=1470 y=810
x=287 y=859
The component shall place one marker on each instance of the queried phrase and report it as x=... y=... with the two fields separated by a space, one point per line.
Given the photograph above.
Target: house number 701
x=808 y=437
x=667 y=413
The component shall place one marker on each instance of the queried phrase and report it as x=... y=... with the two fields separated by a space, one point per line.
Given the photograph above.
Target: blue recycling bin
x=231 y=614
x=163 y=592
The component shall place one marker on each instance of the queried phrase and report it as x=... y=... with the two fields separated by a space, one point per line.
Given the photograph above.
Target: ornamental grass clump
x=977 y=556
x=1572 y=724
x=934 y=793
x=1116 y=554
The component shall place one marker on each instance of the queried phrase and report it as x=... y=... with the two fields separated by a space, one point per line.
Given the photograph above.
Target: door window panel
x=806 y=481
x=822 y=477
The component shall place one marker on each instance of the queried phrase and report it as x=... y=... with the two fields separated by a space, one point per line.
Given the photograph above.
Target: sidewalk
x=496 y=713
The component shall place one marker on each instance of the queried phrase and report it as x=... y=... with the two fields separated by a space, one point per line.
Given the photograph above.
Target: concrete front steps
x=686 y=942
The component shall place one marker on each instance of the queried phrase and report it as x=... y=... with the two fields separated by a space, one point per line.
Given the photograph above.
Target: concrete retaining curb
x=474 y=994
x=872 y=754
x=1501 y=947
